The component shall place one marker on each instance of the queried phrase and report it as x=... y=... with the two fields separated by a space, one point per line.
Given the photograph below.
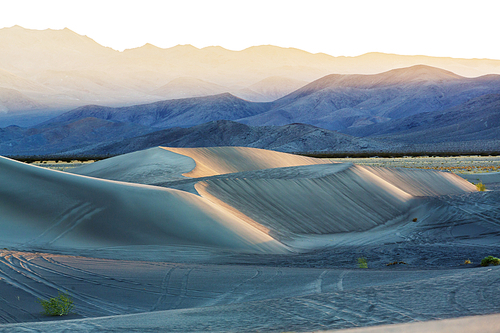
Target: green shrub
x=362 y=263
x=490 y=260
x=57 y=306
x=481 y=187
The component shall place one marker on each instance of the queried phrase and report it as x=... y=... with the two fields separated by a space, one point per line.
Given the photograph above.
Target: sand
x=143 y=167
x=239 y=239
x=45 y=208
x=223 y=160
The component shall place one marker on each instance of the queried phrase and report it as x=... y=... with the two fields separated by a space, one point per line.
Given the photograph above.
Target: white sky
x=466 y=29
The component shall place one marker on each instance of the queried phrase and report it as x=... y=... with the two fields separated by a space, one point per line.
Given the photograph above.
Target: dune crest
x=213 y=161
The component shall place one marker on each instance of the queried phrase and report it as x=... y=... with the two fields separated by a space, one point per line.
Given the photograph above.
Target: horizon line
x=248 y=47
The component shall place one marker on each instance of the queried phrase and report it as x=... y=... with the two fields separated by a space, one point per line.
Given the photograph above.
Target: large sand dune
x=43 y=207
x=326 y=199
x=240 y=239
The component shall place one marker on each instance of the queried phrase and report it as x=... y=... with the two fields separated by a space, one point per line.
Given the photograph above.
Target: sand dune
x=423 y=182
x=328 y=199
x=323 y=199
x=41 y=207
x=242 y=239
x=143 y=167
x=221 y=160
x=264 y=190
x=491 y=180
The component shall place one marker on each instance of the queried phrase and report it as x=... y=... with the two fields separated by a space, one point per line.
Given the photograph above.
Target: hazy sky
x=467 y=29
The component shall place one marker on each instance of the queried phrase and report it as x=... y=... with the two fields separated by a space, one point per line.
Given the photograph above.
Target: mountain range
x=53 y=71
x=63 y=93
x=473 y=126
x=339 y=102
x=349 y=103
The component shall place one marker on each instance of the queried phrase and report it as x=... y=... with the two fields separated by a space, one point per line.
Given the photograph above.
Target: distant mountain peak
x=14 y=27
x=423 y=72
x=150 y=46
x=405 y=75
x=185 y=46
x=215 y=47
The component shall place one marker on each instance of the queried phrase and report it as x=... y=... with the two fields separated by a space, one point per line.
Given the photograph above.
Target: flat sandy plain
x=247 y=240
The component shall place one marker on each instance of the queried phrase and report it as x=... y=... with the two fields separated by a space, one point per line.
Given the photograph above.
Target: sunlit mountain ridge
x=58 y=70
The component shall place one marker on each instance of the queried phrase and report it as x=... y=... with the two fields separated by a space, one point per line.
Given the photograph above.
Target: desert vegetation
x=61 y=305
x=481 y=187
x=362 y=263
x=490 y=260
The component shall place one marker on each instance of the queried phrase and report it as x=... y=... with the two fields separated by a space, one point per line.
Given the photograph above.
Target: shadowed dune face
x=144 y=167
x=221 y=160
x=41 y=207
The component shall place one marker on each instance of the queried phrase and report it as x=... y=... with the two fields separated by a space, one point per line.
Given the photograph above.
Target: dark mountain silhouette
x=288 y=138
x=64 y=136
x=93 y=136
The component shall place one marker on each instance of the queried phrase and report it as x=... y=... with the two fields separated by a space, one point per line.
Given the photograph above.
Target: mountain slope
x=13 y=100
x=338 y=102
x=478 y=119
x=32 y=51
x=276 y=87
x=186 y=87
x=60 y=137
x=289 y=138
x=180 y=112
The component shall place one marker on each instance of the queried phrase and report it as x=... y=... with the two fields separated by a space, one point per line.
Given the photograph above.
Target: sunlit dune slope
x=324 y=199
x=423 y=182
x=221 y=160
x=46 y=208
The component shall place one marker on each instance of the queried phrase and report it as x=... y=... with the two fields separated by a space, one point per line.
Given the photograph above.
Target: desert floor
x=245 y=240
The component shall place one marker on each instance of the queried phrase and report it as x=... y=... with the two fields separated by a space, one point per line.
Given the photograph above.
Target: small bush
x=362 y=263
x=490 y=260
x=467 y=262
x=415 y=219
x=481 y=187
x=396 y=263
x=57 y=306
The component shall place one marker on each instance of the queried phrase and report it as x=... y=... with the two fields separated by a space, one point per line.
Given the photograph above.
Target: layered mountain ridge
x=60 y=70
x=282 y=99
